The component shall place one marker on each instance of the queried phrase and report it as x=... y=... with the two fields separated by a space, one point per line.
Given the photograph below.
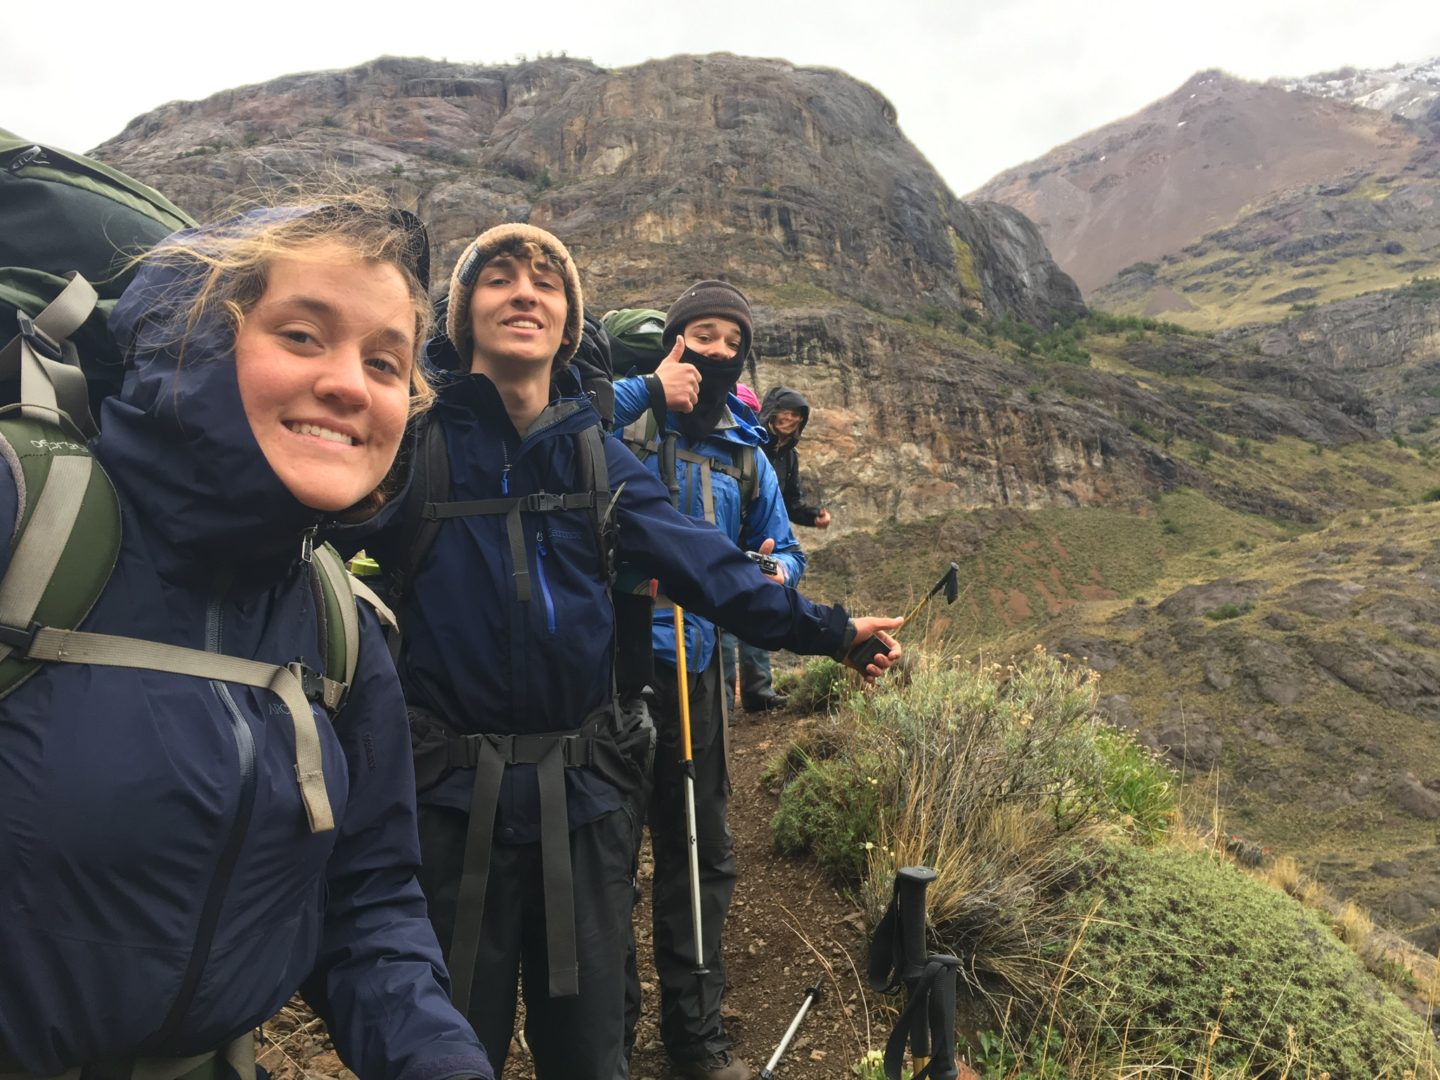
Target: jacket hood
x=176 y=438
x=782 y=397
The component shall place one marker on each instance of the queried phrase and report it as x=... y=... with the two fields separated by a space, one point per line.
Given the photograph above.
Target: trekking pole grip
x=913 y=881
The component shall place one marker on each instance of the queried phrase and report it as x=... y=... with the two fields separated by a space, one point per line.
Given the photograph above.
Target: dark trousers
x=690 y=1024
x=572 y=1038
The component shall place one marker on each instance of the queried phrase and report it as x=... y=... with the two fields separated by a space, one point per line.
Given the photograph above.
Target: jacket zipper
x=230 y=854
x=540 y=553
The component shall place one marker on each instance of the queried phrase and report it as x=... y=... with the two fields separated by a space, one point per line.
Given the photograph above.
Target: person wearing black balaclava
x=718 y=446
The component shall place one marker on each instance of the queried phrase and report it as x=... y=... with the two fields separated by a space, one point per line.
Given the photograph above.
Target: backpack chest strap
x=541 y=502
x=286 y=683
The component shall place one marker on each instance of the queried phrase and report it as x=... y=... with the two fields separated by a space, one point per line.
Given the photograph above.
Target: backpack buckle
x=19 y=638
x=312 y=683
x=544 y=501
x=40 y=341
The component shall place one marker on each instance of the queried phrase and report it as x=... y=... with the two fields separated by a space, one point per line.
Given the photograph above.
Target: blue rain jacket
x=160 y=890
x=487 y=663
x=765 y=517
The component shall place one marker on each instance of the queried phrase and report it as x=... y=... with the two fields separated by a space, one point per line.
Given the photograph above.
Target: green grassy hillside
x=1290 y=670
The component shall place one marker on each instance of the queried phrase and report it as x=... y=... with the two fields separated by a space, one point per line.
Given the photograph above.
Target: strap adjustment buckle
x=312 y=683
x=21 y=639
x=40 y=341
x=543 y=502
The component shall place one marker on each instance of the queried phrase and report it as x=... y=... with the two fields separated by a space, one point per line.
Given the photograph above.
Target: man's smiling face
x=517 y=313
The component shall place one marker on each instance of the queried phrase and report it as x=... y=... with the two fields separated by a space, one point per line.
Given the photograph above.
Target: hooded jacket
x=161 y=893
x=485 y=662
x=747 y=526
x=783 y=455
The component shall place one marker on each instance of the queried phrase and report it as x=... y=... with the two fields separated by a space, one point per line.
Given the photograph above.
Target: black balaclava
x=717 y=382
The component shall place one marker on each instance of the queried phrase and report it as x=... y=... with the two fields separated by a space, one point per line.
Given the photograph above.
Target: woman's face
x=784 y=422
x=324 y=361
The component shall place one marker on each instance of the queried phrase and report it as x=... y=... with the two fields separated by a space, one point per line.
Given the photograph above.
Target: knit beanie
x=708 y=298
x=484 y=248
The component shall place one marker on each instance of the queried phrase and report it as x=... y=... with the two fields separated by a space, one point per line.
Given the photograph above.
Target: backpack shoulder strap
x=67 y=539
x=639 y=436
x=339 y=590
x=52 y=386
x=592 y=469
x=339 y=624
x=429 y=483
x=749 y=478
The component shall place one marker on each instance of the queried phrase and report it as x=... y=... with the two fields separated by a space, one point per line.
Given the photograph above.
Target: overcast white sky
x=979 y=85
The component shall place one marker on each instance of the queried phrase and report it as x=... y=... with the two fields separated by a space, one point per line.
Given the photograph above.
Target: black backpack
x=60 y=214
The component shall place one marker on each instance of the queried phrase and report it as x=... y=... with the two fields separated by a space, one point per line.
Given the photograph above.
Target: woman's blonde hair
x=232 y=259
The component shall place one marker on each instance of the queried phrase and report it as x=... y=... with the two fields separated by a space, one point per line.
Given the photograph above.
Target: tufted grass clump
x=1002 y=779
x=821 y=685
x=1186 y=965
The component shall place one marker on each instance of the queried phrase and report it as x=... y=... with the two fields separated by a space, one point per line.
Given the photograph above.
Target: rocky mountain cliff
x=1386 y=344
x=795 y=183
x=878 y=293
x=776 y=175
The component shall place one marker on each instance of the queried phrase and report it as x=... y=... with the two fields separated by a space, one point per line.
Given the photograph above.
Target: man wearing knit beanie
x=528 y=769
x=721 y=475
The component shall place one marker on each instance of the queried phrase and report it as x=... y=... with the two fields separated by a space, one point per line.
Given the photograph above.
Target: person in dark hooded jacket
x=169 y=876
x=784 y=414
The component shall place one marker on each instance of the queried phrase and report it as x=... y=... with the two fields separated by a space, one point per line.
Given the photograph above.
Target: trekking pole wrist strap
x=656 y=390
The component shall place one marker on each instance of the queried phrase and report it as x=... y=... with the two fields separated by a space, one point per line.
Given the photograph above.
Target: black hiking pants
x=690 y=1024
x=572 y=1038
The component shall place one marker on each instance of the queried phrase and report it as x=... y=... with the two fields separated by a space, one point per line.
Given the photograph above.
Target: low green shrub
x=1184 y=963
x=820 y=686
x=831 y=811
x=1229 y=611
x=999 y=778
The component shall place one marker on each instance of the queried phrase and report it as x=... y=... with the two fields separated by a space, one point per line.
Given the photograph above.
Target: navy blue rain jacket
x=487 y=663
x=749 y=526
x=160 y=890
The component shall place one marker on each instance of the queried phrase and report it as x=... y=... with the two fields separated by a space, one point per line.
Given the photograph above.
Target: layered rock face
x=655 y=175
x=795 y=183
x=1386 y=344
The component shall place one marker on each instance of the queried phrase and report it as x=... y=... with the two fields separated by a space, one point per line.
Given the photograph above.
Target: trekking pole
x=692 y=841
x=811 y=997
x=865 y=651
x=913 y=881
x=682 y=686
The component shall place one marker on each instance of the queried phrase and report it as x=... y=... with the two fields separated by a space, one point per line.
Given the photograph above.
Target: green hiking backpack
x=60 y=213
x=635 y=335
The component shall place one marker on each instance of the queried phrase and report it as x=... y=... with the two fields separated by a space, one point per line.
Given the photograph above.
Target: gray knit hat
x=484 y=248
x=708 y=298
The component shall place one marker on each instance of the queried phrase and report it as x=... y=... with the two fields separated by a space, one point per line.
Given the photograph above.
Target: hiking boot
x=721 y=1065
x=764 y=702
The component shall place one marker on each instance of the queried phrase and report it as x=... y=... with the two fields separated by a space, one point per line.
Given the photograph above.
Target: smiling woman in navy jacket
x=167 y=877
